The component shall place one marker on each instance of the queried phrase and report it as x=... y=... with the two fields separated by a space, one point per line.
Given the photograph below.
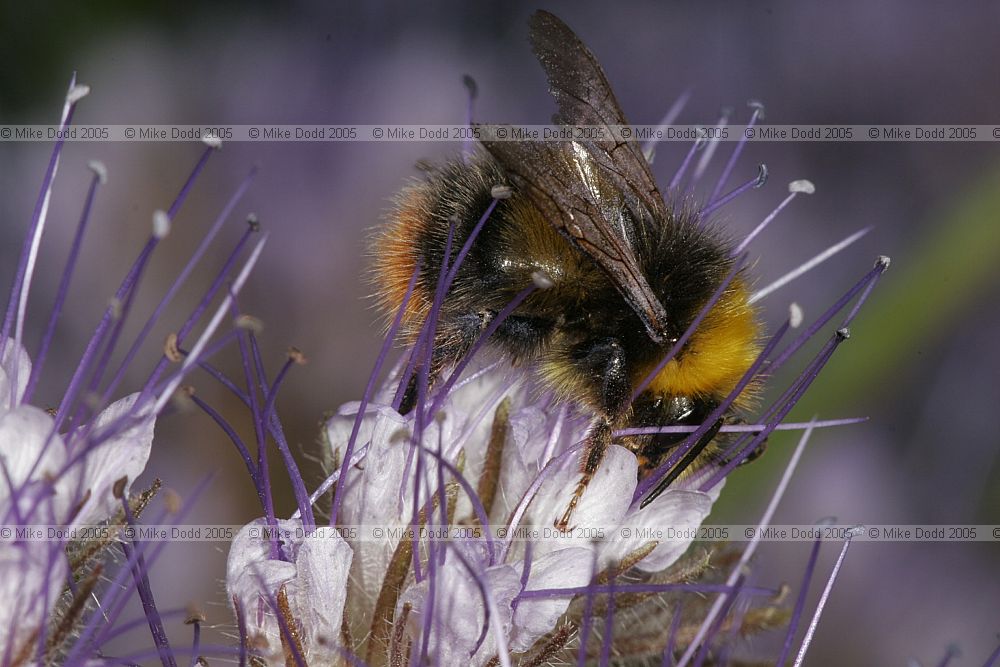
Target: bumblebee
x=624 y=273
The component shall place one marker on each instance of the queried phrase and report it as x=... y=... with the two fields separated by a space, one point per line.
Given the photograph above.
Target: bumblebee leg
x=520 y=336
x=604 y=359
x=729 y=454
x=757 y=452
x=410 y=395
x=597 y=444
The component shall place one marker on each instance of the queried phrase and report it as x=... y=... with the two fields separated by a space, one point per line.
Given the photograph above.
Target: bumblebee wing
x=583 y=187
x=562 y=180
x=584 y=96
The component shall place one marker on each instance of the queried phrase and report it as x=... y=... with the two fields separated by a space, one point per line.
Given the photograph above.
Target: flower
x=308 y=579
x=44 y=482
x=479 y=578
x=442 y=546
x=34 y=454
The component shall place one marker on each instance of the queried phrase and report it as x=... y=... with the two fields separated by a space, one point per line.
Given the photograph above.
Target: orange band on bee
x=396 y=256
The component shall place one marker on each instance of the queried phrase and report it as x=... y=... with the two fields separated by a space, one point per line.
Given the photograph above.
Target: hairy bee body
x=586 y=342
x=625 y=273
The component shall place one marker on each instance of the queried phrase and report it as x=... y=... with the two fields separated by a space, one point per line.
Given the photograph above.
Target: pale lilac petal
x=566 y=568
x=125 y=454
x=32 y=575
x=522 y=458
x=13 y=354
x=467 y=398
x=23 y=432
x=315 y=582
x=319 y=590
x=372 y=489
x=675 y=516
x=30 y=464
x=602 y=506
x=460 y=612
x=250 y=576
x=338 y=428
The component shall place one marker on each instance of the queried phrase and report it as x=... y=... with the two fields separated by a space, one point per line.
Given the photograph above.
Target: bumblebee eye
x=678 y=408
x=664 y=410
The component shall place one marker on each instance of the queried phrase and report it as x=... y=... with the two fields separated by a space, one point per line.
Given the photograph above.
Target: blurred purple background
x=922 y=363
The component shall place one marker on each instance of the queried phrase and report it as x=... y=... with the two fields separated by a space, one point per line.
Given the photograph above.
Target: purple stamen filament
x=661 y=473
x=179 y=282
x=25 y=267
x=141 y=575
x=74 y=253
x=800 y=602
x=822 y=602
x=125 y=288
x=370 y=388
x=734 y=158
x=754 y=182
x=675 y=625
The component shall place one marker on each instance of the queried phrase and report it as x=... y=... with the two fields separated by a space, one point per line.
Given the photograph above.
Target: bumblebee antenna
x=472 y=92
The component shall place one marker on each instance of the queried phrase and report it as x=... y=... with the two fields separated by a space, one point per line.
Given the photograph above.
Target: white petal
x=123 y=455
x=338 y=428
x=566 y=568
x=468 y=397
x=12 y=356
x=372 y=493
x=252 y=579
x=522 y=458
x=529 y=449
x=372 y=487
